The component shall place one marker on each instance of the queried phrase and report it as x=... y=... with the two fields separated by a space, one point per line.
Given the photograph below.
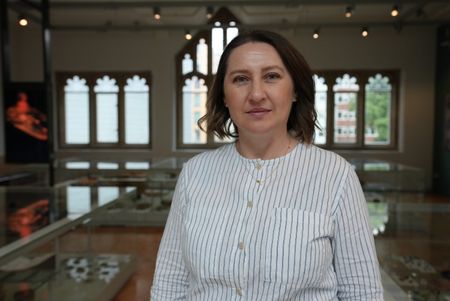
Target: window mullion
x=92 y=112
x=330 y=110
x=121 y=110
x=360 y=121
x=394 y=110
x=62 y=110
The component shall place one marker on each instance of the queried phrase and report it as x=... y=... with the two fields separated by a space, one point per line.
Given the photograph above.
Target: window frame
x=223 y=15
x=362 y=77
x=91 y=78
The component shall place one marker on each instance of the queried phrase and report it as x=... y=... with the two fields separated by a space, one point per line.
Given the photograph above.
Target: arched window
x=359 y=112
x=101 y=110
x=137 y=111
x=377 y=111
x=196 y=65
x=345 y=107
x=107 y=110
x=321 y=108
x=76 y=104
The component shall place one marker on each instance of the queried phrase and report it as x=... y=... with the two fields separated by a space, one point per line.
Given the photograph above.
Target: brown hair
x=302 y=118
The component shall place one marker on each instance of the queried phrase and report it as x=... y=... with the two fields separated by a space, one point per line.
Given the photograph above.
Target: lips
x=258 y=112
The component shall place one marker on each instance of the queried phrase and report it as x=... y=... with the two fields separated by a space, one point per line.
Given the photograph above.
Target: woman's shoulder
x=205 y=158
x=327 y=159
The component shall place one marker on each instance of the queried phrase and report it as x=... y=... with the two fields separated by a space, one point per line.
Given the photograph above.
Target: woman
x=269 y=217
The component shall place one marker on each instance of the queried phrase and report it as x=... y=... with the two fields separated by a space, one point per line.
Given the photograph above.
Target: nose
x=257 y=92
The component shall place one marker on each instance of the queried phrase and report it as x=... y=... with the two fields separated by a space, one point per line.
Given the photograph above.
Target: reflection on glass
x=137 y=165
x=107 y=112
x=107 y=194
x=376 y=166
x=345 y=106
x=171 y=163
x=202 y=57
x=28 y=218
x=321 y=108
x=78 y=200
x=76 y=111
x=78 y=165
x=137 y=111
x=378 y=212
x=187 y=64
x=107 y=165
x=217 y=46
x=194 y=106
x=377 y=111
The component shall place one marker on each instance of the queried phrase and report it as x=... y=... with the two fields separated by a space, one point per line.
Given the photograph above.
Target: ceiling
x=184 y=14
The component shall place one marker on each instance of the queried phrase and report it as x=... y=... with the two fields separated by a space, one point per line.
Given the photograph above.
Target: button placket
x=250 y=195
x=241 y=245
x=239 y=292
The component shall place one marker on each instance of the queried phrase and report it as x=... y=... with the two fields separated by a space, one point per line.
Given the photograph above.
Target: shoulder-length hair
x=302 y=118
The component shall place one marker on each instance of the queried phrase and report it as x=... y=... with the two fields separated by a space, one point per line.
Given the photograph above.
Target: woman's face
x=258 y=90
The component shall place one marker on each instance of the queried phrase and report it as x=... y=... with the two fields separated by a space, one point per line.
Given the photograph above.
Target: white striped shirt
x=301 y=234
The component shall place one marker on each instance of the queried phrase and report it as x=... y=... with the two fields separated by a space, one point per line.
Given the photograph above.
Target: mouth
x=258 y=112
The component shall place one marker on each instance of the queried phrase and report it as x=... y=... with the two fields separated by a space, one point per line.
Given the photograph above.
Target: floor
x=146 y=242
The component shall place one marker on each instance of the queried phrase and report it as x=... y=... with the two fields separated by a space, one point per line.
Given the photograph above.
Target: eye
x=240 y=79
x=272 y=76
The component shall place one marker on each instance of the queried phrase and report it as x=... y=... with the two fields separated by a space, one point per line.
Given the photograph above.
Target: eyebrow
x=263 y=69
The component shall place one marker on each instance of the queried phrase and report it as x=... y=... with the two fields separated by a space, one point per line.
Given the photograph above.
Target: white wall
x=412 y=51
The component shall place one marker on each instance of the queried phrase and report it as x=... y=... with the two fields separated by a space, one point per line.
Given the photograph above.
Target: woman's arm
x=170 y=281
x=355 y=259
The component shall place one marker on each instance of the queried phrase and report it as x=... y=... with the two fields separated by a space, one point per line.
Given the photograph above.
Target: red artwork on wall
x=27 y=118
x=26 y=123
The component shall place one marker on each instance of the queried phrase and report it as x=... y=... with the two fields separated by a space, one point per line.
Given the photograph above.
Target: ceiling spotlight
x=395 y=11
x=209 y=12
x=316 y=34
x=188 y=35
x=22 y=21
x=365 y=32
x=156 y=13
x=348 y=11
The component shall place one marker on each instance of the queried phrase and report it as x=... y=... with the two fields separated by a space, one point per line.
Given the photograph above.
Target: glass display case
x=70 y=169
x=51 y=249
x=413 y=247
x=384 y=176
x=155 y=190
x=24 y=174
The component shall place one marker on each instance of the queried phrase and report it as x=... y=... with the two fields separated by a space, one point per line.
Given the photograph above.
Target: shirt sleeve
x=355 y=259
x=170 y=281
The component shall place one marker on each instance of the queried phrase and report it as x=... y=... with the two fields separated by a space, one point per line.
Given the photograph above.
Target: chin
x=256 y=131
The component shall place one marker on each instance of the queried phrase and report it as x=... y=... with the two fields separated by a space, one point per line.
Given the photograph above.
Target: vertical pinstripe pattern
x=302 y=234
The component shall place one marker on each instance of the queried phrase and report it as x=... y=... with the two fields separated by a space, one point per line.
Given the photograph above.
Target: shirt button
x=241 y=245
x=250 y=204
x=258 y=166
x=239 y=292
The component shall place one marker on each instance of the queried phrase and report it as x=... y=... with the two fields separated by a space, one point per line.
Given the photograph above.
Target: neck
x=265 y=148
